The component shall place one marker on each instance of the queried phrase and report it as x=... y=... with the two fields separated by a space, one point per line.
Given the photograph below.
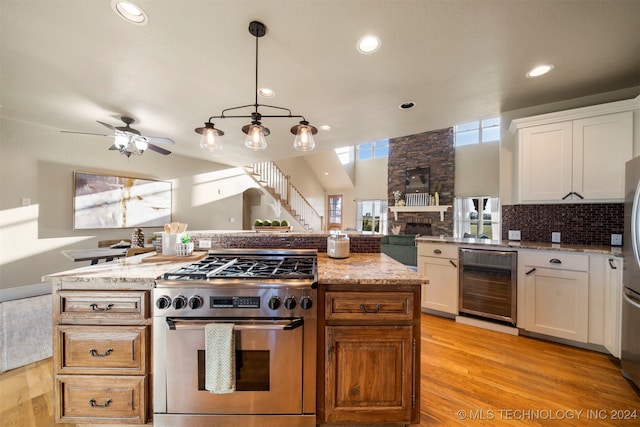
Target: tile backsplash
x=584 y=223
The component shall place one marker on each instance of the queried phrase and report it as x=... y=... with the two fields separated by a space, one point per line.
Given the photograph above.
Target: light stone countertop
x=358 y=269
x=615 y=251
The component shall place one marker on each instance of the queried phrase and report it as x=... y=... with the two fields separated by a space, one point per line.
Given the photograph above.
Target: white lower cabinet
x=556 y=294
x=613 y=305
x=439 y=264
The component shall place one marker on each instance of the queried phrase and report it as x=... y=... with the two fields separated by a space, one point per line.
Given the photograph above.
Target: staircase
x=276 y=183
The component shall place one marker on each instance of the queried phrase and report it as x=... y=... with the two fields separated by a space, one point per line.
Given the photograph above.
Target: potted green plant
x=185 y=246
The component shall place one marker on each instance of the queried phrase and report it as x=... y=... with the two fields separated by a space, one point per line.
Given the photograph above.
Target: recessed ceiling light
x=326 y=174
x=539 y=71
x=406 y=105
x=130 y=12
x=368 y=44
x=325 y=127
x=265 y=92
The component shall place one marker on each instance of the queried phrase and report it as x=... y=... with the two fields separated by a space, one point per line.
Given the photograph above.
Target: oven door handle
x=238 y=325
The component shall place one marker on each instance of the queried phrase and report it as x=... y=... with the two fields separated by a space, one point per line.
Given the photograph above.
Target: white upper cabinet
x=574 y=156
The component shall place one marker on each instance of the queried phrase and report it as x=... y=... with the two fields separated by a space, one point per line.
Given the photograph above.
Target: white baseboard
x=492 y=326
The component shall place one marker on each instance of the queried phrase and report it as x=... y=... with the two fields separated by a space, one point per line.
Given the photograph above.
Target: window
x=477 y=132
x=335 y=211
x=477 y=217
x=373 y=150
x=371 y=215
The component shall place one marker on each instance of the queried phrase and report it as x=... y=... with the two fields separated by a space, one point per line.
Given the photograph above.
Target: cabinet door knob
x=530 y=271
x=612 y=264
x=453 y=263
x=370 y=310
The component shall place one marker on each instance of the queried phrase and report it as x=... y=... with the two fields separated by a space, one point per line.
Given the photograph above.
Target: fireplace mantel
x=440 y=208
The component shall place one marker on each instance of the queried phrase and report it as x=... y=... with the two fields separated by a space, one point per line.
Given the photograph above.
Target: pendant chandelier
x=255 y=131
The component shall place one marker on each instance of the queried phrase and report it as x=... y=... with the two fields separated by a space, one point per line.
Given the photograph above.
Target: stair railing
x=269 y=175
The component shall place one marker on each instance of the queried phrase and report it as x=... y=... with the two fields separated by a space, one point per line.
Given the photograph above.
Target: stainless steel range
x=269 y=297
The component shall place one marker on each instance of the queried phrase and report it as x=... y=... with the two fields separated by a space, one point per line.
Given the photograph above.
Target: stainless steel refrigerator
x=630 y=340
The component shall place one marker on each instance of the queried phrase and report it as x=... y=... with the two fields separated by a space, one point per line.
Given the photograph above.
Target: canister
x=338 y=245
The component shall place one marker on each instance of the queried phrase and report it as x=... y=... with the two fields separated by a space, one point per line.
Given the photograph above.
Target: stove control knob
x=163 y=302
x=290 y=303
x=274 y=303
x=179 y=302
x=306 y=302
x=195 y=302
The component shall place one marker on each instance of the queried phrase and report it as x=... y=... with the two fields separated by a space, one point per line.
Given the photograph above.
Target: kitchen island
x=368 y=307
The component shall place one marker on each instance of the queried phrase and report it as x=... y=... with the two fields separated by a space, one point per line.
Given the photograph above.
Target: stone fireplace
x=432 y=149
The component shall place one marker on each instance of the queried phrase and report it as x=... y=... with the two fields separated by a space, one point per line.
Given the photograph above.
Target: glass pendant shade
x=304 y=139
x=255 y=138
x=210 y=139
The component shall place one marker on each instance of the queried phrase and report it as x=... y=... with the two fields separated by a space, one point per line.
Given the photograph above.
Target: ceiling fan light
x=256 y=138
x=141 y=145
x=121 y=141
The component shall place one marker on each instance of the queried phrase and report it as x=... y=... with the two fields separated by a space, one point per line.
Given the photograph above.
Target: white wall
x=38 y=162
x=477 y=171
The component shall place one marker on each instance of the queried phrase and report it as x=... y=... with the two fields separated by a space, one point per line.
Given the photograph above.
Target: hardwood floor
x=476 y=377
x=470 y=377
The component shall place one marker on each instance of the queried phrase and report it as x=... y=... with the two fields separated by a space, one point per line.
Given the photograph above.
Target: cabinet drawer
x=555 y=260
x=89 y=399
x=438 y=250
x=101 y=349
x=115 y=305
x=369 y=305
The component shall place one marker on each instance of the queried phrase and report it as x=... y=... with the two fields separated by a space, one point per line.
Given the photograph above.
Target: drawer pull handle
x=555 y=261
x=370 y=310
x=530 y=271
x=95 y=307
x=437 y=251
x=94 y=353
x=94 y=404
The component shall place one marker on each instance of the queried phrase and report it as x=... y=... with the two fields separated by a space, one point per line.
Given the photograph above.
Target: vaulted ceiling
x=68 y=63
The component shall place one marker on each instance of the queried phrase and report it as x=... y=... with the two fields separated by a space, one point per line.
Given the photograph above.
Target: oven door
x=268 y=367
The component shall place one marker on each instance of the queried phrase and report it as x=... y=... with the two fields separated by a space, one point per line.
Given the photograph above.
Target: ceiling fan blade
x=159 y=140
x=85 y=133
x=106 y=125
x=158 y=149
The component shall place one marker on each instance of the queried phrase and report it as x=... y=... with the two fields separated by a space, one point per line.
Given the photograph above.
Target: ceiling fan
x=130 y=141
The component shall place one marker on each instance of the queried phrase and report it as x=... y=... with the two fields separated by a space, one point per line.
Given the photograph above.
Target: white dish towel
x=220 y=360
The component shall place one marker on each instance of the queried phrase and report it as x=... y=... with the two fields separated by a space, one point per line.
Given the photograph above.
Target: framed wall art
x=109 y=201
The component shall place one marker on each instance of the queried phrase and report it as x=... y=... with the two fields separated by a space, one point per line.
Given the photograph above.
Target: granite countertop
x=111 y=275
x=358 y=269
x=509 y=244
x=365 y=269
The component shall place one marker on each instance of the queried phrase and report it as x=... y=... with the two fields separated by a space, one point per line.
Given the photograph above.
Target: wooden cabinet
x=556 y=294
x=439 y=263
x=573 y=160
x=101 y=356
x=613 y=305
x=369 y=354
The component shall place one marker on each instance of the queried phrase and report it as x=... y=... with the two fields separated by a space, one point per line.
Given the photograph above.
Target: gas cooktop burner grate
x=247 y=267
